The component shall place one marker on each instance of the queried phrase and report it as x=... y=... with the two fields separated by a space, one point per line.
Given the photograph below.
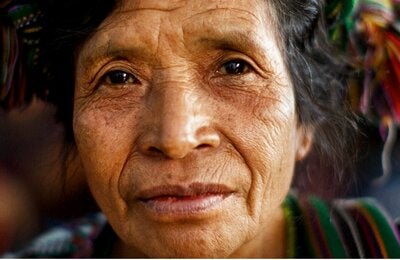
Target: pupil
x=119 y=77
x=235 y=67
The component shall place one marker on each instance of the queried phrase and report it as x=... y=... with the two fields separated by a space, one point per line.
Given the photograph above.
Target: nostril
x=179 y=146
x=154 y=150
x=203 y=146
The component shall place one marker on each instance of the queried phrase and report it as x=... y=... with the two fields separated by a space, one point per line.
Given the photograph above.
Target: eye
x=119 y=77
x=234 y=67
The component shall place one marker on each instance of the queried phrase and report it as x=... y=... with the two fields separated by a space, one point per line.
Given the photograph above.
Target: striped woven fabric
x=351 y=228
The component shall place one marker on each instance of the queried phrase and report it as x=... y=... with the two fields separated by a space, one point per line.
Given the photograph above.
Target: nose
x=181 y=123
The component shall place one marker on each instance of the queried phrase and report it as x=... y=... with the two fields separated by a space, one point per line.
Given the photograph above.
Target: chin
x=189 y=240
x=212 y=246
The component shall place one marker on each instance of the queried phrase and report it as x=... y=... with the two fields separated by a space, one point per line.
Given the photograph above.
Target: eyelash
x=119 y=77
x=239 y=67
x=112 y=77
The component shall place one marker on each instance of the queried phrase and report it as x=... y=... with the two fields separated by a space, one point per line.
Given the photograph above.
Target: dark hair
x=318 y=74
x=67 y=24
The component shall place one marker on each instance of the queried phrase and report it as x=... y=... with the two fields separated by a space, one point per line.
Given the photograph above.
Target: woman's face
x=185 y=123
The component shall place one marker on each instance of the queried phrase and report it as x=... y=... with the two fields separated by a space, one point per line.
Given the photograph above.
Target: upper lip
x=193 y=189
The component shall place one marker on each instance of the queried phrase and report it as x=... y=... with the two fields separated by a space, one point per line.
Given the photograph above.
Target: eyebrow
x=108 y=50
x=241 y=42
x=224 y=40
x=235 y=40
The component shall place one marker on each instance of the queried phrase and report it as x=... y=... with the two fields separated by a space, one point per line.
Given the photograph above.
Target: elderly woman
x=190 y=119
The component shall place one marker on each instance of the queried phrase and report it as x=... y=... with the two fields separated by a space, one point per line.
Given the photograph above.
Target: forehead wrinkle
x=149 y=9
x=106 y=43
x=230 y=40
x=221 y=31
x=109 y=51
x=152 y=5
x=157 y=37
x=225 y=9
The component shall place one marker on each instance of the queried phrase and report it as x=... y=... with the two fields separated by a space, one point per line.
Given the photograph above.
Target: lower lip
x=184 y=206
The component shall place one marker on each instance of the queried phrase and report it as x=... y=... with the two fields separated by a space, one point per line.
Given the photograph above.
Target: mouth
x=176 y=200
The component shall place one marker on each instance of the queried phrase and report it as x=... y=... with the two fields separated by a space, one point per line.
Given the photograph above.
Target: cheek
x=103 y=144
x=267 y=142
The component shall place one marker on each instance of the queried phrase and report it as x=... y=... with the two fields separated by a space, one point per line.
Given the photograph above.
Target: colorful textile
x=73 y=239
x=20 y=28
x=350 y=228
x=368 y=31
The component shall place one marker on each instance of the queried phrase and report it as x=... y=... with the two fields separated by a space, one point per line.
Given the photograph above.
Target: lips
x=187 y=200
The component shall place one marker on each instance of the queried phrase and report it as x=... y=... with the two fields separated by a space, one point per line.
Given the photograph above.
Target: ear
x=305 y=137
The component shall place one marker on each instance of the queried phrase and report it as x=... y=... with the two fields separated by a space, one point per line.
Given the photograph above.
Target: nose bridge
x=180 y=116
x=179 y=112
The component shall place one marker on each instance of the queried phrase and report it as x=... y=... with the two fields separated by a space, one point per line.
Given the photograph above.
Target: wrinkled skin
x=157 y=104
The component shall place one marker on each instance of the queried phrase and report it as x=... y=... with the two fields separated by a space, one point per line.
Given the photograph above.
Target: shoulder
x=358 y=227
x=74 y=238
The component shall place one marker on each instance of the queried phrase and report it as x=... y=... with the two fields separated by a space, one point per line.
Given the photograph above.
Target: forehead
x=187 y=9
x=150 y=28
x=185 y=19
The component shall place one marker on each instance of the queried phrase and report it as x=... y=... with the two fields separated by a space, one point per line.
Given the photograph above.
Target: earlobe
x=305 y=137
